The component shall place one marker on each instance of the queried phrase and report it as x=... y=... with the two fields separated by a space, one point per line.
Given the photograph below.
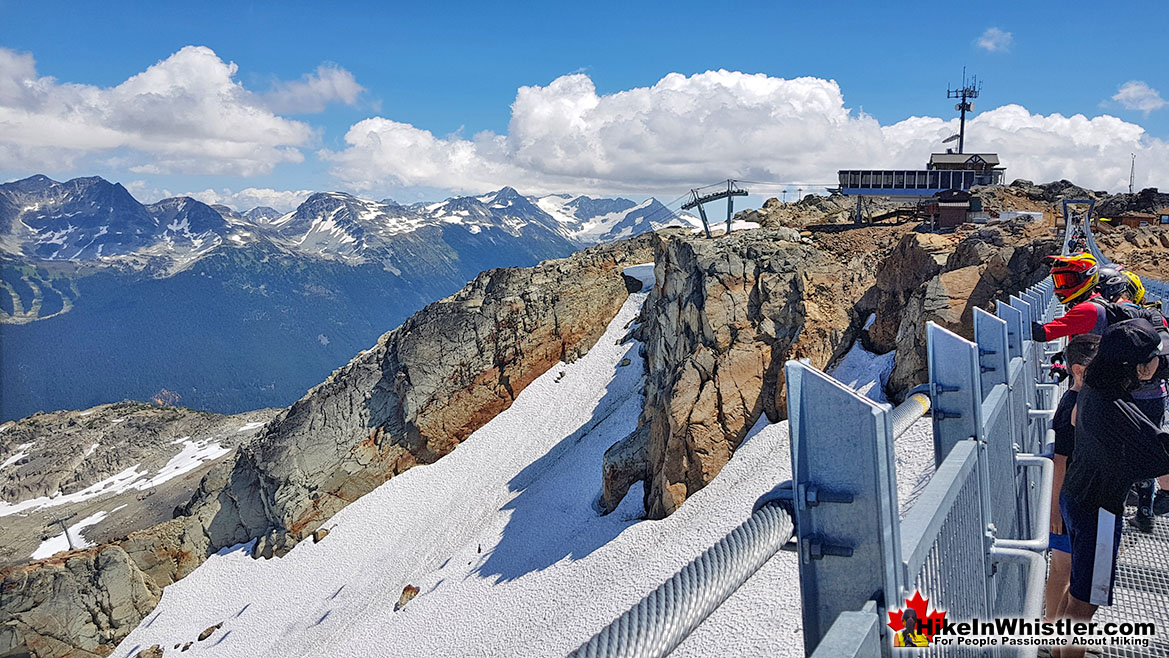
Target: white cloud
x=328 y=84
x=243 y=200
x=1138 y=95
x=995 y=40
x=246 y=199
x=184 y=114
x=691 y=130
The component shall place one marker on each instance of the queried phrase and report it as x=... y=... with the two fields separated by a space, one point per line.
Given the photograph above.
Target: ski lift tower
x=729 y=194
x=964 y=94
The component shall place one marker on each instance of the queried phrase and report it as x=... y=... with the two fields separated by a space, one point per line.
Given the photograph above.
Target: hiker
x=1079 y=353
x=1116 y=445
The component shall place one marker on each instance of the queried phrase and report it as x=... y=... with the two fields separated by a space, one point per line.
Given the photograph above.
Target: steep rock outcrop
x=78 y=605
x=723 y=318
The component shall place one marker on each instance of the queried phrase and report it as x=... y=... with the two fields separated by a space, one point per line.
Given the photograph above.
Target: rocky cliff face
x=723 y=318
x=409 y=400
x=78 y=606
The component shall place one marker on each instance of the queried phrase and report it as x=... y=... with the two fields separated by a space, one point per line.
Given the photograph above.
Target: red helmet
x=1074 y=276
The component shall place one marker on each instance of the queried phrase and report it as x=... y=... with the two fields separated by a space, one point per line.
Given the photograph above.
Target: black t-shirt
x=1061 y=422
x=1116 y=445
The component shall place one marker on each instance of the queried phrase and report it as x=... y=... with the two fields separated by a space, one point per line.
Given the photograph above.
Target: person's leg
x=1057 y=583
x=1080 y=611
x=1095 y=539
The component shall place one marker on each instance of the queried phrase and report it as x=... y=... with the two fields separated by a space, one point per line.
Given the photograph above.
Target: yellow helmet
x=1074 y=276
x=1136 y=289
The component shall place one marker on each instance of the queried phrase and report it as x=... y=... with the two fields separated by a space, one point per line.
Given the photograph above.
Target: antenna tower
x=1132 y=173
x=968 y=91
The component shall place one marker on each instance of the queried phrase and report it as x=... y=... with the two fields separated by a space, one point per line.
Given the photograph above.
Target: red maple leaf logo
x=929 y=623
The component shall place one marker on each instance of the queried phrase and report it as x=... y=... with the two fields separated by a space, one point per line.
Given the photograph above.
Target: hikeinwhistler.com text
x=1016 y=631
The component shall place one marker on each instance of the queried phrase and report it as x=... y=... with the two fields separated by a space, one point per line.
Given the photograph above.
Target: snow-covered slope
x=503 y=540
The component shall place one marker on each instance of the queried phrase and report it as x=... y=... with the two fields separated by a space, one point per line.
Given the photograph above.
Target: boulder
x=408 y=593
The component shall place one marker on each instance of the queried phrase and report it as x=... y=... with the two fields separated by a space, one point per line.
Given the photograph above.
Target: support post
x=730 y=204
x=702 y=214
x=846 y=510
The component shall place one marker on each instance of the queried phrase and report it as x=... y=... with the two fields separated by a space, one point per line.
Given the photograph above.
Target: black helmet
x=1112 y=283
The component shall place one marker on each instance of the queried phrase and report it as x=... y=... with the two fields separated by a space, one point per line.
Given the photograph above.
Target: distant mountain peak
x=262 y=214
x=507 y=193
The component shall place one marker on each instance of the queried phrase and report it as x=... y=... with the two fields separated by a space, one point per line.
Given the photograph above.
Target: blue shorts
x=1061 y=543
x=1095 y=540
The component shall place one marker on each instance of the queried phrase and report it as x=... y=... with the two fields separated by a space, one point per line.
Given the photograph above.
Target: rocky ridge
x=408 y=400
x=122 y=466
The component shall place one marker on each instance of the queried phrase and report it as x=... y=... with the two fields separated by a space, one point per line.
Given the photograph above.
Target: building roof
x=991 y=159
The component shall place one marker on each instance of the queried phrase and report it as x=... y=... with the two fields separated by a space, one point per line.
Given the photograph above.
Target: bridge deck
x=1142 y=587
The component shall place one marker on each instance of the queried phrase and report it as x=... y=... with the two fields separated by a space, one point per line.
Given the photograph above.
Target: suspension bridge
x=974 y=541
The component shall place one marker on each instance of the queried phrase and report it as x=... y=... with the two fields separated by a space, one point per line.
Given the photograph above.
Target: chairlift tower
x=729 y=194
x=61 y=522
x=967 y=92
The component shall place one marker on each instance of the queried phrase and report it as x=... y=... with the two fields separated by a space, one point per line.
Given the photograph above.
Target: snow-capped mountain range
x=91 y=219
x=225 y=297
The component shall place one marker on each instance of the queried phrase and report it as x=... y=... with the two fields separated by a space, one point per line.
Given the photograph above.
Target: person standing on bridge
x=1108 y=296
x=1116 y=445
x=1075 y=279
x=1079 y=353
x=1150 y=502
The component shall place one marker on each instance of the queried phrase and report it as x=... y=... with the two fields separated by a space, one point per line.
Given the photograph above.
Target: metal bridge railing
x=974 y=540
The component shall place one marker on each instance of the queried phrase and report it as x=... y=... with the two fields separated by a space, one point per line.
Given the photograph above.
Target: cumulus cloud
x=248 y=198
x=243 y=200
x=691 y=130
x=1138 y=95
x=184 y=114
x=995 y=40
x=328 y=84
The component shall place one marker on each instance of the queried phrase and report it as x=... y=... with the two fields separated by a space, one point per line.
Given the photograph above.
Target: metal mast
x=1132 y=173
x=964 y=94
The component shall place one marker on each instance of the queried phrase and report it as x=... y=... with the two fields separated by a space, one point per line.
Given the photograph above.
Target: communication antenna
x=1132 y=173
x=968 y=90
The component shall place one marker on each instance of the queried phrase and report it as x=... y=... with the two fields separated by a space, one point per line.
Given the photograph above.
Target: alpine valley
x=103 y=298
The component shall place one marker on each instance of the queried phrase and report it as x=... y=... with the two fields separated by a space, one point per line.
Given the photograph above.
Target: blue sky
x=450 y=71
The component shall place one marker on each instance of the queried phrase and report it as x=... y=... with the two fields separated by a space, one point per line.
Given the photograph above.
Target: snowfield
x=503 y=539
x=192 y=455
